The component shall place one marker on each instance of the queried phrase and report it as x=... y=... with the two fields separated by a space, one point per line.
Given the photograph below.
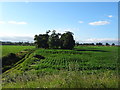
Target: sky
x=59 y=0
x=90 y=22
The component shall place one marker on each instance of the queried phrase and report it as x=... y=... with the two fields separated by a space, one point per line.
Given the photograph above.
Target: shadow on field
x=92 y=50
x=39 y=56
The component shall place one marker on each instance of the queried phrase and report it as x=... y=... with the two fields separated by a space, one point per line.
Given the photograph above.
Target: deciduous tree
x=67 y=41
x=54 y=40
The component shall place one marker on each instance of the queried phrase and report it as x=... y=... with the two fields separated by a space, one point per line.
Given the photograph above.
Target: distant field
x=6 y=49
x=83 y=67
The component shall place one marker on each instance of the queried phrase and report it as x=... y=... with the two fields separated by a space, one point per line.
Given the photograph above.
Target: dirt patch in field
x=23 y=51
x=39 y=56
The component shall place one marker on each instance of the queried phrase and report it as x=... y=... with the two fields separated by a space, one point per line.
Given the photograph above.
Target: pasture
x=82 y=67
x=6 y=49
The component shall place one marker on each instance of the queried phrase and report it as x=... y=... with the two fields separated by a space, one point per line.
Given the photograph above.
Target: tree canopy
x=41 y=40
x=67 y=41
x=55 y=40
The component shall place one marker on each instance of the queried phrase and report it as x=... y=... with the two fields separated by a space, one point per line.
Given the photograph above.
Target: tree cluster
x=99 y=44
x=55 y=40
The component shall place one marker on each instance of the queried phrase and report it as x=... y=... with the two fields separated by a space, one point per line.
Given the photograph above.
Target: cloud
x=15 y=37
x=80 y=22
x=2 y=22
x=99 y=23
x=110 y=16
x=26 y=1
x=21 y=23
x=63 y=30
x=101 y=39
x=14 y=22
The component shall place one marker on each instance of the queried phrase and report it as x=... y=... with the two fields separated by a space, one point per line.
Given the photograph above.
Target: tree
x=67 y=41
x=54 y=40
x=36 y=39
x=99 y=44
x=44 y=43
x=77 y=43
x=113 y=44
x=107 y=44
x=41 y=40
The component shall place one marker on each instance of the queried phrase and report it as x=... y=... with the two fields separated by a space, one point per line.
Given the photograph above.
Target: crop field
x=82 y=67
x=6 y=49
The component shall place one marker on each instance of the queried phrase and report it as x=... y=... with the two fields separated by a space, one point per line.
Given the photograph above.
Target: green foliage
x=41 y=40
x=63 y=79
x=6 y=49
x=99 y=44
x=107 y=44
x=54 y=40
x=113 y=44
x=67 y=41
x=10 y=59
x=82 y=67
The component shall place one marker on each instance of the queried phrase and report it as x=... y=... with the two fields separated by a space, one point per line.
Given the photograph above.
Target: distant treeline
x=17 y=43
x=32 y=44
x=98 y=44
